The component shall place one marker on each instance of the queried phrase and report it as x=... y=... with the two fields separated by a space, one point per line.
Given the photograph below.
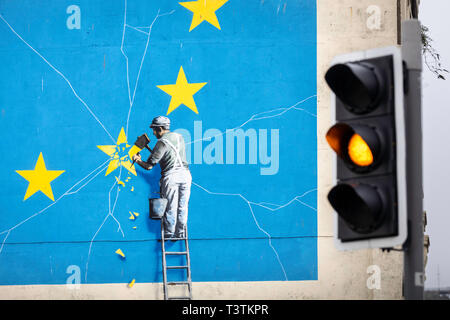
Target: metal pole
x=413 y=254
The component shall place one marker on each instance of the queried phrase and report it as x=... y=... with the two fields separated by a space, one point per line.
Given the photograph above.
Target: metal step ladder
x=167 y=284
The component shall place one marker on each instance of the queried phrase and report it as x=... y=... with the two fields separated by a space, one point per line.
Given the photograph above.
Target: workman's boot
x=166 y=237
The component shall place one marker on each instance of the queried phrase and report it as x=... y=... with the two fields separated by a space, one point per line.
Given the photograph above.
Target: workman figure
x=176 y=178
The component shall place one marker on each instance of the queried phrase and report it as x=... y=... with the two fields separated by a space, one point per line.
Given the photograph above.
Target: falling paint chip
x=131 y=284
x=134 y=227
x=120 y=253
x=132 y=188
x=120 y=182
x=133 y=215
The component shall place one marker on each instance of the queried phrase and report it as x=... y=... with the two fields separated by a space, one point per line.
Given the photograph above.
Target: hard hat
x=160 y=121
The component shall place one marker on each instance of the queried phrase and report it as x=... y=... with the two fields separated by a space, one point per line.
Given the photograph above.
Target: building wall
x=342 y=26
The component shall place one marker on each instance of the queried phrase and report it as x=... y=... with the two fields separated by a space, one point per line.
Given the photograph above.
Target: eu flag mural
x=80 y=81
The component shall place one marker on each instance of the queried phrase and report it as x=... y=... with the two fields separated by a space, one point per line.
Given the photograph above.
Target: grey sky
x=436 y=156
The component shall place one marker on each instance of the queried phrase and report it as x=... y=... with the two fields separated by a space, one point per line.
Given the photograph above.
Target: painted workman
x=176 y=178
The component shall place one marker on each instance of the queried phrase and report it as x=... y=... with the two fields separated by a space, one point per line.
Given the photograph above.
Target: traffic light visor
x=358 y=85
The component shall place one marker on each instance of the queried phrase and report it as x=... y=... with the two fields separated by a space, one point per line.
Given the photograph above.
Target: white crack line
x=68 y=192
x=131 y=101
x=250 y=203
x=125 y=25
x=110 y=214
x=61 y=74
x=278 y=206
x=257 y=116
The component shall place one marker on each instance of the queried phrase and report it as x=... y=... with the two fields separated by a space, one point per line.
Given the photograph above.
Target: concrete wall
x=342 y=26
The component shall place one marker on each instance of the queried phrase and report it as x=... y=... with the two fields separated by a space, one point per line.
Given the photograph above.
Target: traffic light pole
x=413 y=248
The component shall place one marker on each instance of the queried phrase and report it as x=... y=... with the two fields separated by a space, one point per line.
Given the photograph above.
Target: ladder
x=187 y=266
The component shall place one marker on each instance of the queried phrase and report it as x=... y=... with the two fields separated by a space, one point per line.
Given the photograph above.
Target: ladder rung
x=177 y=282
x=175 y=252
x=177 y=267
x=179 y=298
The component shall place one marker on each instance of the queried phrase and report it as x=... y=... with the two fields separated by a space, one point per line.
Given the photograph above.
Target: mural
x=80 y=81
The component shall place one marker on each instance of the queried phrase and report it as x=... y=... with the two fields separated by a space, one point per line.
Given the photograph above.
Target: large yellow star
x=182 y=92
x=204 y=10
x=119 y=155
x=39 y=179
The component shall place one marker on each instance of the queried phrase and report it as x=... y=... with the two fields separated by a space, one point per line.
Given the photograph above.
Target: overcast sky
x=436 y=156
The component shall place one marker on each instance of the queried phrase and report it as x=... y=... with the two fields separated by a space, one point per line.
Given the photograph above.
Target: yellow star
x=119 y=155
x=204 y=10
x=182 y=92
x=39 y=179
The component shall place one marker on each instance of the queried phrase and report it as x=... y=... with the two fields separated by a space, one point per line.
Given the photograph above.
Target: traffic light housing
x=368 y=140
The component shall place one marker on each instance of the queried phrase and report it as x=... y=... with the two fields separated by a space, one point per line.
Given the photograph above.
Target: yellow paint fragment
x=134 y=228
x=120 y=182
x=131 y=284
x=120 y=253
x=132 y=188
x=131 y=216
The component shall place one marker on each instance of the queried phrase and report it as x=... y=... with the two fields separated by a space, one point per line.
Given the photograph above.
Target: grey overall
x=175 y=185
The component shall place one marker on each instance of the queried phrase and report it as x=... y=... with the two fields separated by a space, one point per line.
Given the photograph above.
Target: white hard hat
x=160 y=121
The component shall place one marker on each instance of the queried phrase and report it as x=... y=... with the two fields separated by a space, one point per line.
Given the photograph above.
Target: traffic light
x=368 y=138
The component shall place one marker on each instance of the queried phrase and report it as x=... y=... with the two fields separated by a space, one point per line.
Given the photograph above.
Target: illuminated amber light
x=359 y=151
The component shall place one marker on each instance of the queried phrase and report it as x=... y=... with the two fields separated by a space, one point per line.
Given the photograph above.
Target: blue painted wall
x=65 y=90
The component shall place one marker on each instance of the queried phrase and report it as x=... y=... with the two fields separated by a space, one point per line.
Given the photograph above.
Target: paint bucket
x=157 y=208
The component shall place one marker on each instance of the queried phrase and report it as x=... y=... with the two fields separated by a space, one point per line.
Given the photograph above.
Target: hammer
x=142 y=142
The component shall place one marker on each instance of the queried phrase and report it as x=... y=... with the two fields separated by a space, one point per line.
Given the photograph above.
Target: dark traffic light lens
x=360 y=206
x=359 y=146
x=358 y=85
